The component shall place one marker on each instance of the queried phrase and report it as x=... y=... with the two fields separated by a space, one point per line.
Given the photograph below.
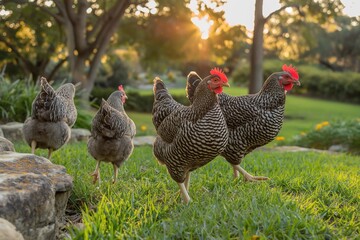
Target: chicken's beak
x=226 y=84
x=297 y=82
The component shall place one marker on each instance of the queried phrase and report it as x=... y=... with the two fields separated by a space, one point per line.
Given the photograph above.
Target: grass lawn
x=310 y=196
x=301 y=113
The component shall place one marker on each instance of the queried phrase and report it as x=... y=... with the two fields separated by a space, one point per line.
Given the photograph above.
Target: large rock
x=8 y=231
x=33 y=194
x=144 y=140
x=13 y=131
x=6 y=145
x=79 y=134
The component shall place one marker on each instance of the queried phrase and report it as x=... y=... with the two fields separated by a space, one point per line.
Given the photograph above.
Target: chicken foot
x=96 y=173
x=247 y=176
x=184 y=193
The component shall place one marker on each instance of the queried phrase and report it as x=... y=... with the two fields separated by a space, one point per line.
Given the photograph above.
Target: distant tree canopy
x=77 y=37
x=287 y=29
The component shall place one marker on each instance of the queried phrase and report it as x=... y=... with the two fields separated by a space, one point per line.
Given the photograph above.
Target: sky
x=243 y=13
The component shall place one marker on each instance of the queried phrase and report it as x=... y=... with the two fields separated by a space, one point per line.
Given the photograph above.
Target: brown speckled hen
x=53 y=114
x=189 y=136
x=112 y=133
x=253 y=120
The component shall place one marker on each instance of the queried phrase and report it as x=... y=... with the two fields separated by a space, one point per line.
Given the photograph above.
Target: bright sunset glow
x=239 y=12
x=204 y=25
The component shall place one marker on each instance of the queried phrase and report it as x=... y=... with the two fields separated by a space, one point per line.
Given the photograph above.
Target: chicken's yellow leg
x=50 y=152
x=116 y=170
x=187 y=181
x=247 y=176
x=96 y=173
x=184 y=193
x=33 y=146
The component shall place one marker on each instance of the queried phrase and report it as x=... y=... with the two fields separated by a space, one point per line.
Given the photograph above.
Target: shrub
x=136 y=102
x=325 y=134
x=16 y=99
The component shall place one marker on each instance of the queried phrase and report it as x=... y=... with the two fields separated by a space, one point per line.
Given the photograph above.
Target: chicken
x=112 y=133
x=53 y=115
x=189 y=137
x=253 y=120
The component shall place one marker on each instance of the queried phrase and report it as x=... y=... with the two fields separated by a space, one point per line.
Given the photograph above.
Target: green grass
x=301 y=113
x=310 y=196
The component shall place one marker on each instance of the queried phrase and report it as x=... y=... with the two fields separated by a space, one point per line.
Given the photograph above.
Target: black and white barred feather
x=253 y=120
x=188 y=136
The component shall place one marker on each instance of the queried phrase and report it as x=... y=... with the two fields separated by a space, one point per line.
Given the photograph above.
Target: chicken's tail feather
x=193 y=80
x=160 y=91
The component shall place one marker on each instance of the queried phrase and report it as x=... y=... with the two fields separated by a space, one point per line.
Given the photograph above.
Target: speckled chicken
x=53 y=114
x=112 y=133
x=54 y=106
x=189 y=136
x=253 y=120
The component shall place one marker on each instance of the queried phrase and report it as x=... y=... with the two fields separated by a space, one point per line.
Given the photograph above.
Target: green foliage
x=315 y=82
x=16 y=99
x=319 y=202
x=326 y=134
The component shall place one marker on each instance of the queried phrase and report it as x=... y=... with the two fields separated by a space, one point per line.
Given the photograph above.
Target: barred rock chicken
x=53 y=114
x=112 y=133
x=253 y=120
x=189 y=136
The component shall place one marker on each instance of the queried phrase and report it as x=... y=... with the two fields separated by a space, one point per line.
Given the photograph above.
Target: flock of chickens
x=188 y=137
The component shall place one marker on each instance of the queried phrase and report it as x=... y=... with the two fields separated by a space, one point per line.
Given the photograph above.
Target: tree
x=24 y=48
x=88 y=27
x=320 y=11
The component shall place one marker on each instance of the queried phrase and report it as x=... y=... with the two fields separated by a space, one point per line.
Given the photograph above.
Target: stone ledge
x=33 y=194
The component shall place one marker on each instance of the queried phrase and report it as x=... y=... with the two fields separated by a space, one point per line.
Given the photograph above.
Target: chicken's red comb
x=121 y=88
x=220 y=73
x=292 y=70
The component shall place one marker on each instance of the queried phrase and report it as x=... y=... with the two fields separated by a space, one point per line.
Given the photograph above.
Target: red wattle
x=288 y=87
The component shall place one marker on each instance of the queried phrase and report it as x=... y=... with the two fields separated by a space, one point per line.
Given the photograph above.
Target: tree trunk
x=257 y=50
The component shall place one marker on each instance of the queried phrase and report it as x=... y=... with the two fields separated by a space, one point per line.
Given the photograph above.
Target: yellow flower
x=321 y=125
x=143 y=128
x=326 y=123
x=280 y=138
x=303 y=134
x=318 y=127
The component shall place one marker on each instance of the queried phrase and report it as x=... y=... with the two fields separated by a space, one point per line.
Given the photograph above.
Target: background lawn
x=310 y=196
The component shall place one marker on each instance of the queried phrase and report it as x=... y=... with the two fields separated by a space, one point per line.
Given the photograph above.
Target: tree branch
x=56 y=68
x=297 y=6
x=104 y=36
x=27 y=64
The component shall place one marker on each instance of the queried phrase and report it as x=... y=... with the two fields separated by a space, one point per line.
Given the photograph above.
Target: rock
x=6 y=145
x=8 y=231
x=79 y=134
x=1 y=132
x=288 y=149
x=13 y=131
x=339 y=148
x=33 y=194
x=145 y=140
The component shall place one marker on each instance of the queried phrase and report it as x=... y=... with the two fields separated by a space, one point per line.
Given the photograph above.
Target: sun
x=204 y=24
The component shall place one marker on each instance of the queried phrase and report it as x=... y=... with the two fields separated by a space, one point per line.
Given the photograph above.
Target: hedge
x=315 y=82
